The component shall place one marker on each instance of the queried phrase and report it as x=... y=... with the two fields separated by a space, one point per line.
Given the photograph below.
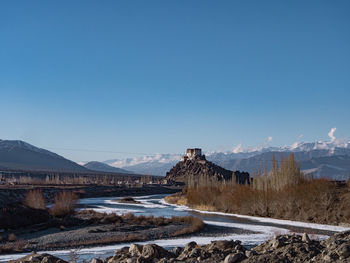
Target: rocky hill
x=199 y=166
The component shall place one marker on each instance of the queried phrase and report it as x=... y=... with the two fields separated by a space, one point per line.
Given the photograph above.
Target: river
x=250 y=230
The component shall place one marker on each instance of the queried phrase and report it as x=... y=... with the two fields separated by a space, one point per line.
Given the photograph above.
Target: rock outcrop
x=283 y=248
x=199 y=166
x=38 y=258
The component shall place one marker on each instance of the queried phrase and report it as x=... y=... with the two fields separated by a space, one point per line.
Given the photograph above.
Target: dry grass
x=64 y=204
x=12 y=247
x=177 y=198
x=319 y=201
x=35 y=199
x=195 y=225
x=130 y=219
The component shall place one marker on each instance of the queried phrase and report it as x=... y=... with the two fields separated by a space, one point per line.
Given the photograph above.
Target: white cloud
x=238 y=148
x=296 y=143
x=331 y=134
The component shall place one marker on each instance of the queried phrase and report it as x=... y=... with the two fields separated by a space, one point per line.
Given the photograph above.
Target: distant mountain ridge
x=103 y=167
x=309 y=154
x=19 y=155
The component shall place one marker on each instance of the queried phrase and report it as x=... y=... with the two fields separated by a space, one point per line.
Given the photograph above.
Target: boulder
x=38 y=258
x=233 y=258
x=190 y=246
x=177 y=251
x=305 y=238
x=154 y=251
x=135 y=250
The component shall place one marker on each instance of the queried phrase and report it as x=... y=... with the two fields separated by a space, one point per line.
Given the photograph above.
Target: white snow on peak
x=157 y=158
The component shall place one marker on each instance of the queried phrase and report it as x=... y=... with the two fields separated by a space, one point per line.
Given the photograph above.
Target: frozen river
x=250 y=230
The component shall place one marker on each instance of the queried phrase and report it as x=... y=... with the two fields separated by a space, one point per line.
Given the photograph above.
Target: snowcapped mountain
x=310 y=154
x=157 y=164
x=103 y=167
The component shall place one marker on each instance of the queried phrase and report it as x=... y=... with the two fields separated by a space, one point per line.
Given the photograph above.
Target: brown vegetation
x=64 y=204
x=194 y=223
x=282 y=193
x=12 y=247
x=35 y=199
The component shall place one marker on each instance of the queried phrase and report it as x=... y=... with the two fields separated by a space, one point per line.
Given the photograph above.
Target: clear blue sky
x=159 y=76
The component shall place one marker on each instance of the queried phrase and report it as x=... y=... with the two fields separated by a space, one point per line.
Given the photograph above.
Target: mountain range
x=103 y=167
x=19 y=155
x=330 y=159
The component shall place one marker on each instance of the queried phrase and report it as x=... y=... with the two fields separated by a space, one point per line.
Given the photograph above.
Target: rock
x=344 y=251
x=154 y=251
x=222 y=244
x=190 y=246
x=194 y=253
x=232 y=258
x=276 y=243
x=187 y=250
x=122 y=250
x=34 y=258
x=143 y=260
x=249 y=253
x=96 y=260
x=177 y=251
x=135 y=250
x=305 y=238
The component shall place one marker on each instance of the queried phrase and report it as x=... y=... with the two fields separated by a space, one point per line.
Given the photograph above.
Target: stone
x=233 y=258
x=143 y=260
x=135 y=250
x=194 y=253
x=34 y=258
x=176 y=251
x=344 y=251
x=190 y=246
x=305 y=238
x=249 y=253
x=122 y=250
x=154 y=251
x=276 y=243
x=96 y=260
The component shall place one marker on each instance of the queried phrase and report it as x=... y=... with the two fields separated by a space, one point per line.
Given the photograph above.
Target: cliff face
x=199 y=166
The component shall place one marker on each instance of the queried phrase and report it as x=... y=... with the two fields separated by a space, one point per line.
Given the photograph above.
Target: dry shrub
x=35 y=199
x=13 y=247
x=64 y=204
x=195 y=224
x=317 y=200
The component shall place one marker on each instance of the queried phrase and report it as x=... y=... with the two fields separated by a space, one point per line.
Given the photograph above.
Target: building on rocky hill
x=194 y=164
x=193 y=153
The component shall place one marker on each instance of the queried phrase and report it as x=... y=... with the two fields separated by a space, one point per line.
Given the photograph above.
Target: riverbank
x=14 y=195
x=339 y=216
x=89 y=228
x=282 y=248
